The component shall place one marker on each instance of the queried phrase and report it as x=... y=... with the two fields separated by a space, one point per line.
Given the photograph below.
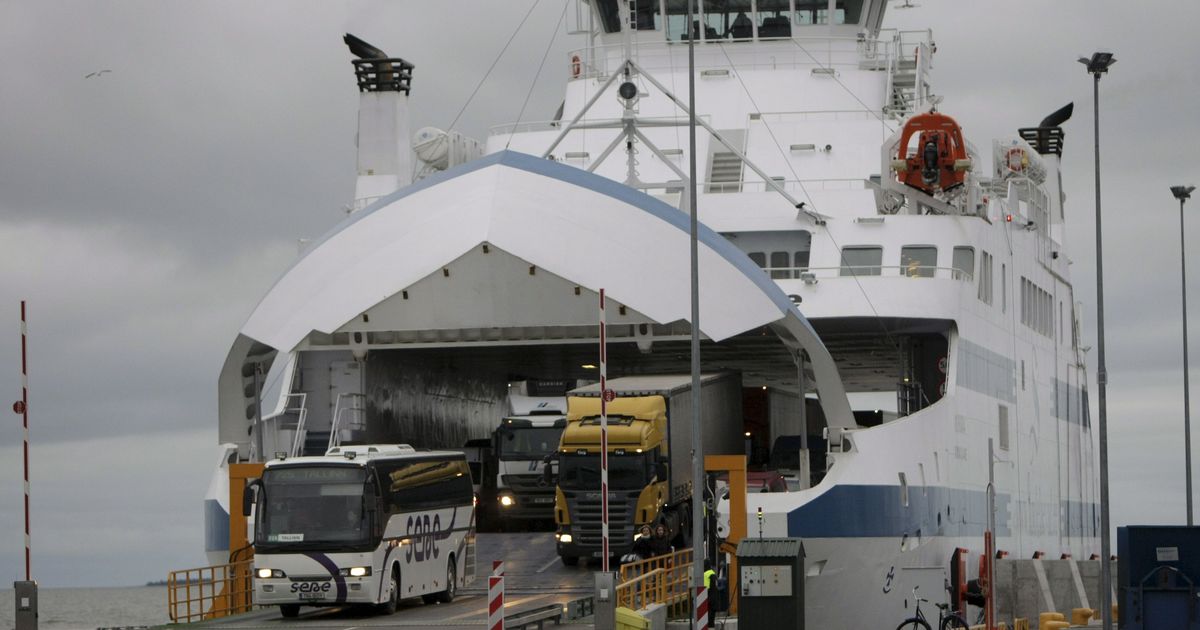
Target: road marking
x=548 y=564
x=483 y=613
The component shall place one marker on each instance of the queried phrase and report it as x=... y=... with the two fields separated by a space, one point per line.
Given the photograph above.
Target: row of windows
x=783 y=265
x=1037 y=308
x=724 y=20
x=916 y=261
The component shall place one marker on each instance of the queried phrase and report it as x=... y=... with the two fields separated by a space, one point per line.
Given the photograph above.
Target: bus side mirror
x=249 y=495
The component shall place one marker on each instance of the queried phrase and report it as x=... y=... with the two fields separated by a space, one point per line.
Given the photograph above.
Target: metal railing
x=301 y=411
x=352 y=407
x=659 y=580
x=210 y=592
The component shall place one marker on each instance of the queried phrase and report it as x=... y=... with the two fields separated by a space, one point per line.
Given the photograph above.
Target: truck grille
x=527 y=483
x=586 y=519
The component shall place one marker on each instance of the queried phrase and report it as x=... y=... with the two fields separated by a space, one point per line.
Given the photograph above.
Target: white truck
x=521 y=445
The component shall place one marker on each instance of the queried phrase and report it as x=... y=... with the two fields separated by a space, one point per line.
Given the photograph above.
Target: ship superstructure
x=894 y=299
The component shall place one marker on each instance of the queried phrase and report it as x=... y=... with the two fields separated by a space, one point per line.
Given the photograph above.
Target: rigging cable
x=533 y=84
x=493 y=66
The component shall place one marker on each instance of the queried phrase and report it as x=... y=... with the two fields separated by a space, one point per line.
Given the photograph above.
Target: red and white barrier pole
x=701 y=619
x=496 y=602
x=22 y=407
x=603 y=439
x=498 y=568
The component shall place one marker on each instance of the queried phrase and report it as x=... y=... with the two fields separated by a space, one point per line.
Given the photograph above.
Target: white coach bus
x=363 y=525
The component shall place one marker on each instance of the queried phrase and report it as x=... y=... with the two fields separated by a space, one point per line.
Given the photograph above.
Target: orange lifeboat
x=940 y=161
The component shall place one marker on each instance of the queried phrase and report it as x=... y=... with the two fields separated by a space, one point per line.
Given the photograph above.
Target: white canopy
x=588 y=230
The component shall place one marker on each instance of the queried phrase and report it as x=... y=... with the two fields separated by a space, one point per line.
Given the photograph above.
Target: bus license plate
x=317 y=595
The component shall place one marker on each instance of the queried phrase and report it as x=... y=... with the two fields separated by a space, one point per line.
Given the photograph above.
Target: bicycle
x=947 y=619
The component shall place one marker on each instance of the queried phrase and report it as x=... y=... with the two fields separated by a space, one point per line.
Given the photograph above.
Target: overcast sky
x=145 y=211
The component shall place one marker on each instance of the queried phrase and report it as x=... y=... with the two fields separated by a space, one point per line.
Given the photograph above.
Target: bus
x=363 y=525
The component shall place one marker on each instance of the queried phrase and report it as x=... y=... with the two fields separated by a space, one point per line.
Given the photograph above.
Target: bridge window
x=862 y=260
x=759 y=259
x=774 y=18
x=918 y=261
x=811 y=12
x=781 y=265
x=847 y=12
x=647 y=14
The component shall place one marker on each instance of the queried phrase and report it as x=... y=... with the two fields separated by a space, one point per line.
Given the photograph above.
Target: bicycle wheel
x=913 y=623
x=954 y=622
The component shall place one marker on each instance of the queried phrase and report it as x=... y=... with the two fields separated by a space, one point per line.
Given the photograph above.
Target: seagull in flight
x=96 y=74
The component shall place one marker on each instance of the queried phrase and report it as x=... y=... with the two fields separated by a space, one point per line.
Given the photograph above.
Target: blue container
x=1158 y=574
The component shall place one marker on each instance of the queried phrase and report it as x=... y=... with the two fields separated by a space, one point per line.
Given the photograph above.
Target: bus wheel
x=393 y=600
x=447 y=595
x=289 y=610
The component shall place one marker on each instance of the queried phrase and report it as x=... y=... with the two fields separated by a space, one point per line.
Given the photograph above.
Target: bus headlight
x=507 y=500
x=270 y=573
x=355 y=571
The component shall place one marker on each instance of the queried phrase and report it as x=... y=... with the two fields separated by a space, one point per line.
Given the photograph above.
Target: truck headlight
x=565 y=538
x=507 y=501
x=355 y=571
x=270 y=573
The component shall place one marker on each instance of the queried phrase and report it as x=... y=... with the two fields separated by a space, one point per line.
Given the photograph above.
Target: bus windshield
x=315 y=505
x=528 y=442
x=582 y=472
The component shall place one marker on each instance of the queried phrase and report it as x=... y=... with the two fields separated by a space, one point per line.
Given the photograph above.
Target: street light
x=1097 y=65
x=1183 y=193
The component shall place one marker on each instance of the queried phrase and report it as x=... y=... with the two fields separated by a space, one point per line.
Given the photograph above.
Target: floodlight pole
x=1183 y=193
x=1097 y=66
x=698 y=484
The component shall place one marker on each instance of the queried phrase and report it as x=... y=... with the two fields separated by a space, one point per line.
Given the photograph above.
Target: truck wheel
x=393 y=600
x=289 y=610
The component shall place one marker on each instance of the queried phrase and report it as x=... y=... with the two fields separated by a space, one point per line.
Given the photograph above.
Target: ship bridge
x=424 y=305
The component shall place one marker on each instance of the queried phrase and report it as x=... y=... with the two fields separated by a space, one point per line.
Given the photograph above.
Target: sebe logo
x=422 y=531
x=310 y=587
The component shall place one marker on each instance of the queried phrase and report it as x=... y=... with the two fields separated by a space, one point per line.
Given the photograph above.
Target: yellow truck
x=650 y=459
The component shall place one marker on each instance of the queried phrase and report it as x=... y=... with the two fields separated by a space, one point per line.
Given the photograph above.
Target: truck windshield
x=528 y=442
x=582 y=472
x=312 y=506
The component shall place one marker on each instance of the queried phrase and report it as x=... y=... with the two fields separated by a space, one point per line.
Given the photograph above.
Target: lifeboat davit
x=940 y=162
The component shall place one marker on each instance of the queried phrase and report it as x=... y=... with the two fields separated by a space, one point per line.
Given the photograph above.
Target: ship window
x=774 y=18
x=609 y=15
x=1003 y=428
x=810 y=12
x=918 y=261
x=847 y=12
x=780 y=267
x=862 y=260
x=1004 y=288
x=728 y=19
x=802 y=260
x=985 y=277
x=964 y=263
x=759 y=259
x=647 y=14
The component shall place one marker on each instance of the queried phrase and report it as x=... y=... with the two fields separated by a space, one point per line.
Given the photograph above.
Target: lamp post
x=1098 y=65
x=1183 y=193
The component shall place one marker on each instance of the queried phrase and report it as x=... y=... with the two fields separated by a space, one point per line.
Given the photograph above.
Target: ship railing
x=556 y=125
x=295 y=406
x=349 y=414
x=657 y=580
x=811 y=275
x=211 y=592
x=598 y=62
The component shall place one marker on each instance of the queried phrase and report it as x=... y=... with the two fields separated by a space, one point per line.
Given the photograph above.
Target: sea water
x=91 y=608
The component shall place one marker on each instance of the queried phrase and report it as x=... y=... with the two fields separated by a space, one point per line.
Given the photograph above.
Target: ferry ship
x=898 y=304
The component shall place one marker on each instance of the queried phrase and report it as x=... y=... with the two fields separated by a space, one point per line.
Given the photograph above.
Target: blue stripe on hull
x=854 y=511
x=216 y=526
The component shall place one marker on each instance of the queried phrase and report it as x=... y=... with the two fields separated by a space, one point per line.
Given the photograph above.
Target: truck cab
x=522 y=445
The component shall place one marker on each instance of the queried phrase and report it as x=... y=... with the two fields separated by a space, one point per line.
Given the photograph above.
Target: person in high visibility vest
x=709 y=576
